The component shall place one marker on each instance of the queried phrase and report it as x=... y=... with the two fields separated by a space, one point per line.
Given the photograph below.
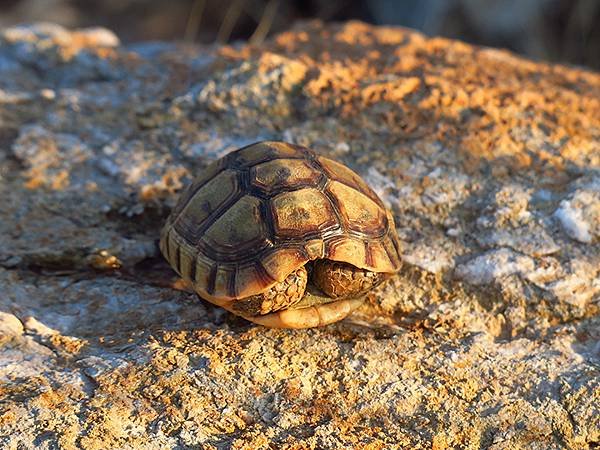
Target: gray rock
x=487 y=338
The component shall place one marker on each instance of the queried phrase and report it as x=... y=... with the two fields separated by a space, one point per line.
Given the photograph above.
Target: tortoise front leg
x=341 y=280
x=281 y=296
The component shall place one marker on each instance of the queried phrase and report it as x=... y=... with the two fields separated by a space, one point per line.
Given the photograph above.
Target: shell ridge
x=177 y=259
x=363 y=236
x=268 y=160
x=210 y=220
x=194 y=268
x=368 y=254
x=266 y=214
x=336 y=208
x=332 y=200
x=236 y=161
x=231 y=288
x=368 y=192
x=387 y=252
x=212 y=279
x=164 y=241
x=394 y=239
x=233 y=257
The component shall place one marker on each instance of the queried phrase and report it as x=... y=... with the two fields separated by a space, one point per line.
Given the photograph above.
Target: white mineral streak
x=573 y=222
x=493 y=265
x=427 y=257
x=580 y=214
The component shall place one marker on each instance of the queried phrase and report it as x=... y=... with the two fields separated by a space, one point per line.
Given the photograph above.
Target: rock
x=493 y=266
x=579 y=215
x=10 y=326
x=488 y=338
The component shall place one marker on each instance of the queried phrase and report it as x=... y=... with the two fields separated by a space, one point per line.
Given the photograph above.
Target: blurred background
x=566 y=31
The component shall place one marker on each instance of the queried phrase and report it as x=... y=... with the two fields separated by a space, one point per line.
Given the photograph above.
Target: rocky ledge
x=488 y=338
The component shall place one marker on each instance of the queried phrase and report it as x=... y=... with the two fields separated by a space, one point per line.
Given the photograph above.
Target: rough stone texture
x=488 y=338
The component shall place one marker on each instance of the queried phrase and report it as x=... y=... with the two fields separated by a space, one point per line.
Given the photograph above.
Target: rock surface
x=488 y=338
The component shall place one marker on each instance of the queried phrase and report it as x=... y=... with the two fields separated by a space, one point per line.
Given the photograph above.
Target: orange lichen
x=67 y=344
x=484 y=96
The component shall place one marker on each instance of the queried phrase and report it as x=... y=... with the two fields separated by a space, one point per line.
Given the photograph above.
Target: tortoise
x=281 y=236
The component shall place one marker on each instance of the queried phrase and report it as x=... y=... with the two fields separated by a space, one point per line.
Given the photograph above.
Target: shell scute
x=339 y=172
x=346 y=249
x=246 y=280
x=240 y=227
x=391 y=252
x=190 y=223
x=283 y=174
x=264 y=151
x=376 y=254
x=211 y=171
x=280 y=264
x=359 y=212
x=202 y=275
x=225 y=281
x=187 y=262
x=315 y=249
x=300 y=213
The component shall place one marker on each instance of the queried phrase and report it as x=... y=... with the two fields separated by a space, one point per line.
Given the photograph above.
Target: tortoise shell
x=261 y=212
